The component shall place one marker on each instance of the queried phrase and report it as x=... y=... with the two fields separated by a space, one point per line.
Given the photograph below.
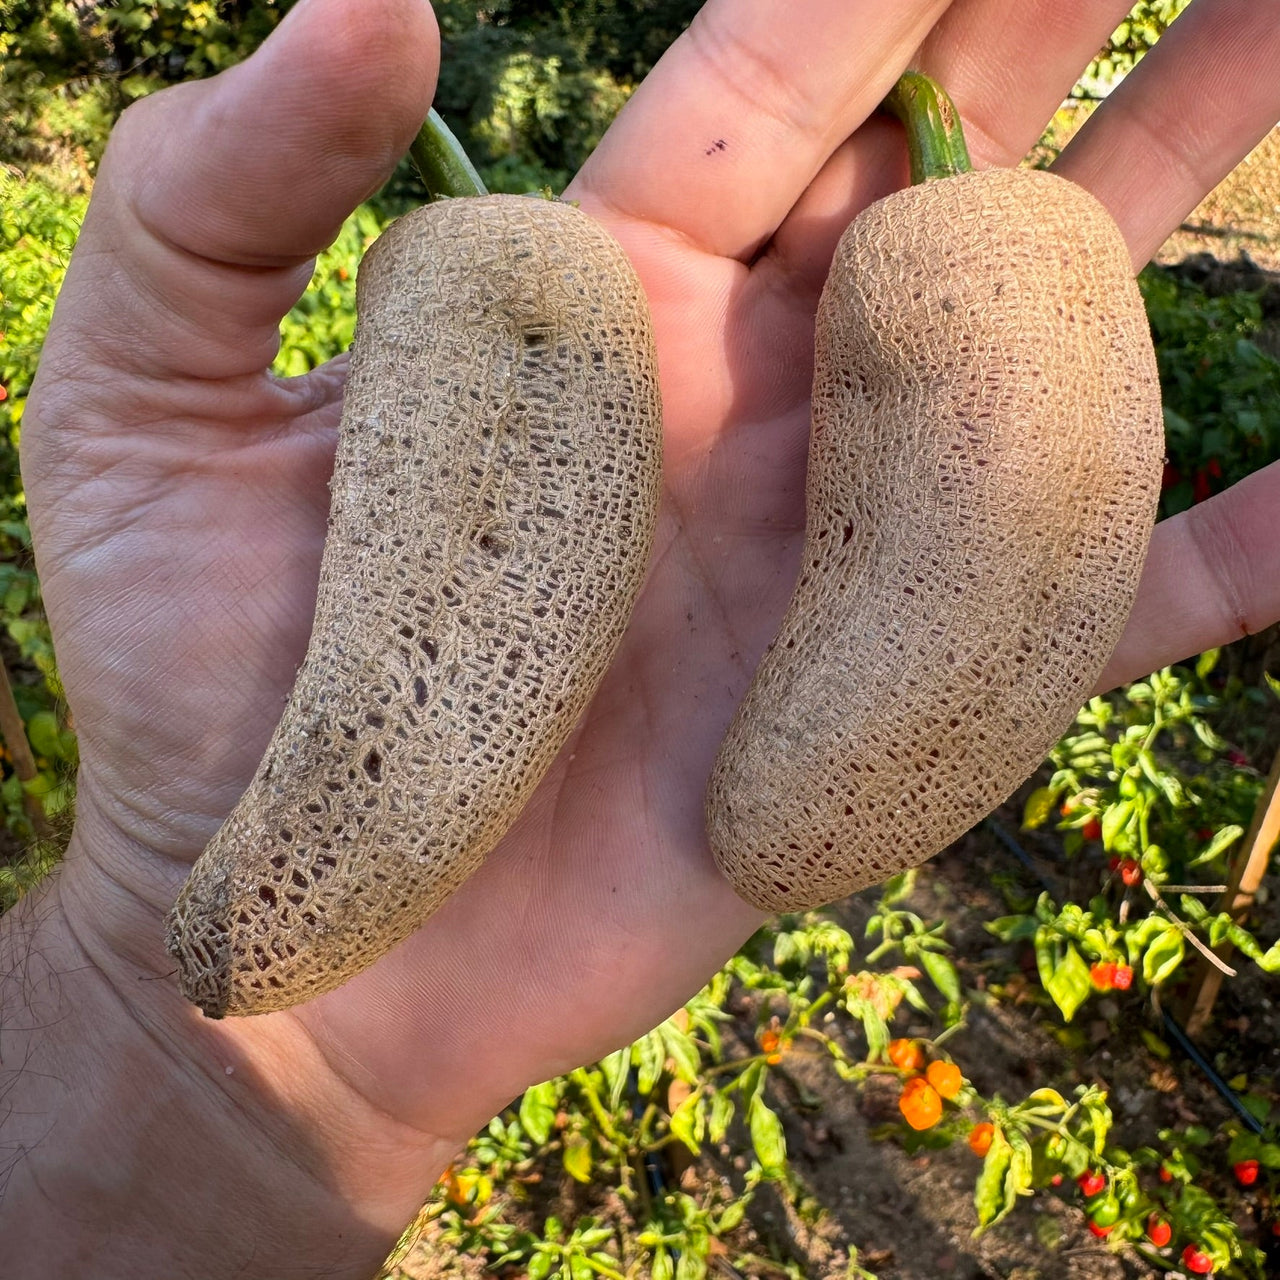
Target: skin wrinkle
x=158 y=286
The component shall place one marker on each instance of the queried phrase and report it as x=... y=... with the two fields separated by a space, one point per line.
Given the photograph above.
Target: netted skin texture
x=493 y=506
x=984 y=467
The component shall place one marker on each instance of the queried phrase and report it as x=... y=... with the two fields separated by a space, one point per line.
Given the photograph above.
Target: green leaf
x=688 y=1119
x=1168 y=784
x=1068 y=983
x=942 y=973
x=42 y=733
x=652 y=1057
x=1222 y=840
x=731 y=1218
x=577 y=1158
x=898 y=887
x=540 y=1266
x=1038 y=808
x=1046 y=1098
x=767 y=1137
x=990 y=1193
x=615 y=1068
x=1017 y=1180
x=538 y=1110
x=1012 y=928
x=682 y=1049
x=790 y=949
x=721 y=1114
x=692 y=1266
x=1114 y=820
x=1162 y=958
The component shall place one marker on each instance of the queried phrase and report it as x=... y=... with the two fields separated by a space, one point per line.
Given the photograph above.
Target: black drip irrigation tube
x=654 y=1176
x=1177 y=1033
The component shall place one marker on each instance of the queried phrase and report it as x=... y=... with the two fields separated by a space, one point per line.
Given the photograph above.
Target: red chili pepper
x=1170 y=477
x=1091 y=1182
x=1159 y=1232
x=1197 y=1263
x=1166 y=1174
x=1246 y=1172
x=1123 y=978
x=1201 y=488
x=1097 y=1229
x=1131 y=872
x=1092 y=830
x=1103 y=977
x=1214 y=468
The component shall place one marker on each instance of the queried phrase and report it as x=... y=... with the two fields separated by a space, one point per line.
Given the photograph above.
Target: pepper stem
x=935 y=138
x=441 y=162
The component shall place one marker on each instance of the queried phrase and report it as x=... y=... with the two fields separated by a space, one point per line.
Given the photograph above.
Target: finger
x=1009 y=66
x=744 y=109
x=1212 y=575
x=213 y=196
x=1007 y=69
x=1186 y=115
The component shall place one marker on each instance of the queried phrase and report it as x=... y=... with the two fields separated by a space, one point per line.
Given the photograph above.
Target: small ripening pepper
x=1159 y=1232
x=1122 y=979
x=920 y=1104
x=906 y=1055
x=1091 y=1182
x=1199 y=1264
x=1102 y=975
x=980 y=1137
x=1246 y=1172
x=945 y=1077
x=1105 y=1211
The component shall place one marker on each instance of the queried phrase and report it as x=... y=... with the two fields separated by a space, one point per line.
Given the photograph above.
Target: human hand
x=178 y=504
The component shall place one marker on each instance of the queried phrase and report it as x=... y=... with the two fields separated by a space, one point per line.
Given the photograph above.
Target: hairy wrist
x=138 y=1139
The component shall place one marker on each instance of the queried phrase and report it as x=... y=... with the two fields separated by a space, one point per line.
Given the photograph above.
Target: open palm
x=178 y=495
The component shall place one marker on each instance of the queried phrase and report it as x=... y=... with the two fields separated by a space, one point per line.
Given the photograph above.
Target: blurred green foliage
x=1129 y=43
x=1221 y=391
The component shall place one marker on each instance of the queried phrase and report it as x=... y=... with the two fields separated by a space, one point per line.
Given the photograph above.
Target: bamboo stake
x=1248 y=866
x=14 y=734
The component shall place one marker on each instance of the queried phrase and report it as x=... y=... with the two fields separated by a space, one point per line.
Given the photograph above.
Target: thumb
x=214 y=196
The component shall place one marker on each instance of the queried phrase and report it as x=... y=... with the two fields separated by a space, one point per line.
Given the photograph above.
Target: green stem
x=935 y=138
x=602 y=1117
x=442 y=163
